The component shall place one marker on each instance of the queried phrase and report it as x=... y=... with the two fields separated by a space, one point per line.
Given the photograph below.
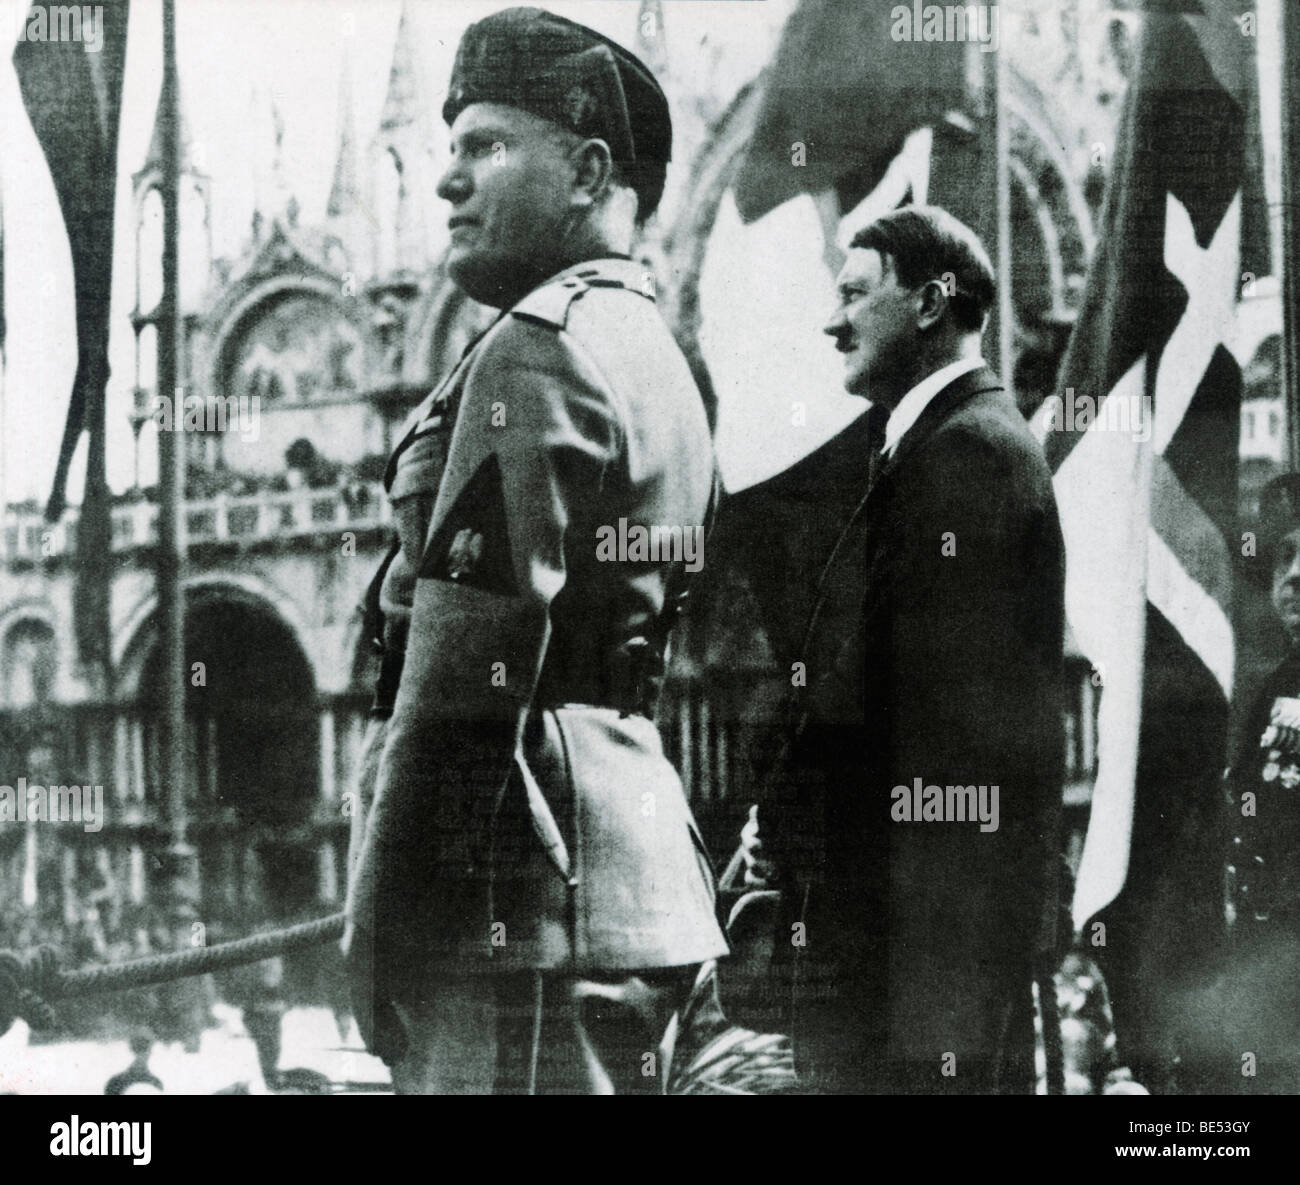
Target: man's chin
x=480 y=279
x=491 y=279
x=857 y=383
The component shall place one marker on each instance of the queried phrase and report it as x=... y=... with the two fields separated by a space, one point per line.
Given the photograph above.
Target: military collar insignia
x=614 y=271
x=549 y=303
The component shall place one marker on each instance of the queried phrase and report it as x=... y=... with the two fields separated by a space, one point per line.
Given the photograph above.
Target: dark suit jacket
x=934 y=653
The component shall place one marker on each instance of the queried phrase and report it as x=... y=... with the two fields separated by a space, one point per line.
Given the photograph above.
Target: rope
x=28 y=982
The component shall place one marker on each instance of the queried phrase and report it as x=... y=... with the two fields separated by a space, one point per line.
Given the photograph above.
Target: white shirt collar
x=918 y=399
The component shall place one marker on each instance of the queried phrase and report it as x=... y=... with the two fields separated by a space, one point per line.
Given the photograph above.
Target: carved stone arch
x=252 y=738
x=139 y=633
x=29 y=655
x=240 y=313
x=712 y=173
x=28 y=608
x=686 y=242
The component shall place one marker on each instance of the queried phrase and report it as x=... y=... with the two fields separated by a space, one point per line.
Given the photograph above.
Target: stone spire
x=401 y=175
x=153 y=160
x=272 y=197
x=345 y=192
x=280 y=196
x=403 y=105
x=195 y=201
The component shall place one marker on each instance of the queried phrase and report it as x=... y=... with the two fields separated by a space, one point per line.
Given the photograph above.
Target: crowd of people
x=110 y=933
x=180 y=1011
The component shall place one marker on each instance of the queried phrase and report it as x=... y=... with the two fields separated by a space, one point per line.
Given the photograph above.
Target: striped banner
x=72 y=91
x=1143 y=439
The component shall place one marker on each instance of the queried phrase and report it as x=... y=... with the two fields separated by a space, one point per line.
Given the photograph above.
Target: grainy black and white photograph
x=665 y=547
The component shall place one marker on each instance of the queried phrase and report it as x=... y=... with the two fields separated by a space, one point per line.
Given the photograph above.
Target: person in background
x=264 y=1015
x=1262 y=861
x=138 y=1072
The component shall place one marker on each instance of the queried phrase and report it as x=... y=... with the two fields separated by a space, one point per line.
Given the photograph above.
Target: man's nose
x=837 y=325
x=454 y=184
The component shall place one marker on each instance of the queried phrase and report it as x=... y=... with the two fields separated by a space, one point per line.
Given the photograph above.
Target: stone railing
x=245 y=519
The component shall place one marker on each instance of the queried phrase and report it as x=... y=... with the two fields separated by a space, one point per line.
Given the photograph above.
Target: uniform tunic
x=1256 y=1003
x=523 y=815
x=1264 y=861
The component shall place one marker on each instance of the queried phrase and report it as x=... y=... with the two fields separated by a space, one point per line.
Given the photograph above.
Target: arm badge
x=471 y=546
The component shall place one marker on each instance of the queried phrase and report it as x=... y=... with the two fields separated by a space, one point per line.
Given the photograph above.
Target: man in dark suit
x=913 y=817
x=530 y=902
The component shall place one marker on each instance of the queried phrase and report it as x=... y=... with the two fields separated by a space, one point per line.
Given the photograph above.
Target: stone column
x=328 y=759
x=121 y=788
x=327 y=867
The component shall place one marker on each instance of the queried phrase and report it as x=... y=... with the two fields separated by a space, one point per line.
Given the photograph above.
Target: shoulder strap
x=549 y=304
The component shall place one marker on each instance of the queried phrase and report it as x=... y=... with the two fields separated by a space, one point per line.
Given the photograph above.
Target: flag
x=773 y=538
x=73 y=96
x=849 y=81
x=851 y=118
x=1142 y=439
x=4 y=325
x=836 y=60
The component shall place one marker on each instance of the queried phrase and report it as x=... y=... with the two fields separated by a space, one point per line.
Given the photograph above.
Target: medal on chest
x=1280 y=742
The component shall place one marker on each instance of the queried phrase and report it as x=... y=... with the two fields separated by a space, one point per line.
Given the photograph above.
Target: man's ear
x=593 y=173
x=933 y=298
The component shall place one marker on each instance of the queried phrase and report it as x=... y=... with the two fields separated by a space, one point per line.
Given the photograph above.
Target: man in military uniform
x=1262 y=988
x=530 y=902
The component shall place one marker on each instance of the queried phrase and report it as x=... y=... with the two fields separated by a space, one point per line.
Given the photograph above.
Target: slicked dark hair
x=927 y=243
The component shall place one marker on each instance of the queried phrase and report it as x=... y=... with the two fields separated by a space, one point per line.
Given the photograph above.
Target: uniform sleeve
x=536 y=435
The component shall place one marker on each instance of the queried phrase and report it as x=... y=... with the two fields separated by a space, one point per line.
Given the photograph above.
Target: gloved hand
x=381 y=1028
x=760 y=872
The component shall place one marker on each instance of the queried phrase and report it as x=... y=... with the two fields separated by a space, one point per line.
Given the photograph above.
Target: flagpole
x=995 y=155
x=4 y=361
x=1006 y=310
x=171 y=491
x=1290 y=277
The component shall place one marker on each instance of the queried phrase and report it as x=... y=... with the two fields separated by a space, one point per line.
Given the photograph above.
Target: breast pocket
x=417 y=473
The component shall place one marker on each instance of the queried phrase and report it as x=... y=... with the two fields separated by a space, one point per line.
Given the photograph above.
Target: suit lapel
x=954 y=395
x=875 y=466
x=947 y=401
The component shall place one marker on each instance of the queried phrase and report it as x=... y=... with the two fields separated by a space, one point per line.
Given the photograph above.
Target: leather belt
x=633 y=676
x=628 y=680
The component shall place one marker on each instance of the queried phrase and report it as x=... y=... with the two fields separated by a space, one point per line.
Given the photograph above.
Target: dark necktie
x=877 y=418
